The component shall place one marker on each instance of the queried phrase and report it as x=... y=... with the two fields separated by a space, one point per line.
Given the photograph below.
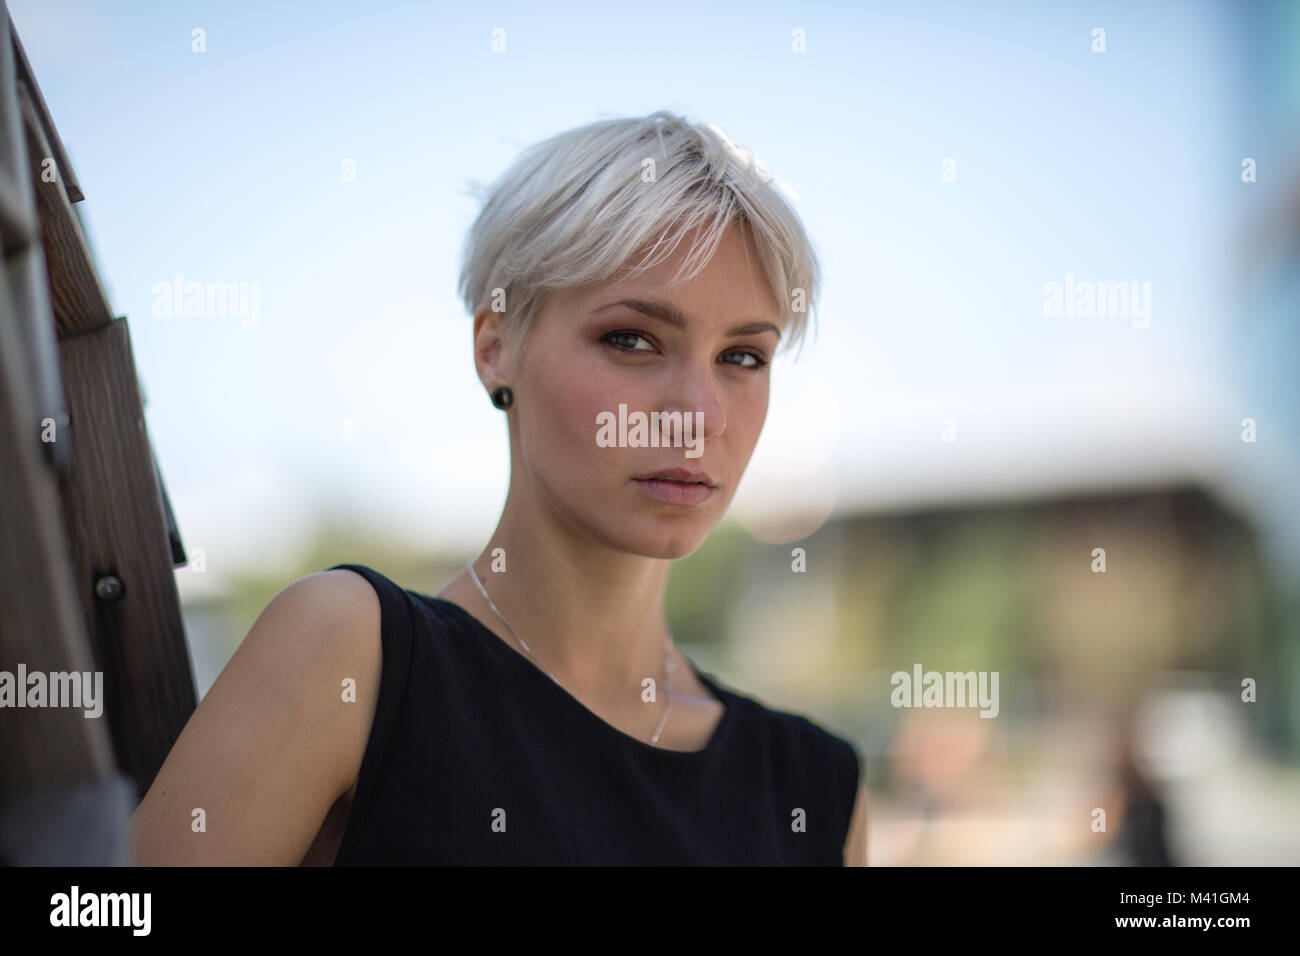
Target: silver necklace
x=669 y=663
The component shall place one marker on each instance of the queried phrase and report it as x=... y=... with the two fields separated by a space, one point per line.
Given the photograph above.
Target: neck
x=592 y=615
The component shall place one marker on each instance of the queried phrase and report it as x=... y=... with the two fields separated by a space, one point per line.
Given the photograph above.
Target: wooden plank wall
x=88 y=542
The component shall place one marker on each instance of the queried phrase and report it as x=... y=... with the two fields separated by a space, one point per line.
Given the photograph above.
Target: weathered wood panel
x=61 y=800
x=76 y=294
x=121 y=555
x=70 y=362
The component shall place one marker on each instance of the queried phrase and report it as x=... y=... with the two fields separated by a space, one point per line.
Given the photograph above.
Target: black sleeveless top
x=476 y=757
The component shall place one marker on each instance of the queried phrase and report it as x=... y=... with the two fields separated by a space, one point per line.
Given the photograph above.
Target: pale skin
x=270 y=755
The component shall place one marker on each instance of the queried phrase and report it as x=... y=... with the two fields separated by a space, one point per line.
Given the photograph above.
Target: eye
x=610 y=338
x=748 y=359
x=756 y=361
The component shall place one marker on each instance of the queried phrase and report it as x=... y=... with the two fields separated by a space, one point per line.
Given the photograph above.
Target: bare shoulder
x=336 y=602
x=278 y=739
x=322 y=634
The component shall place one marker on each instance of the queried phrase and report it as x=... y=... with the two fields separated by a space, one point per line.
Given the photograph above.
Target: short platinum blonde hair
x=575 y=208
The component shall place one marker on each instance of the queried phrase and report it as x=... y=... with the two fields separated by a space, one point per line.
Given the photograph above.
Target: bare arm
x=273 y=745
x=855 y=847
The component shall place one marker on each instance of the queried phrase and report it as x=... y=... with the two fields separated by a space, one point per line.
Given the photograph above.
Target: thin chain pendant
x=669 y=663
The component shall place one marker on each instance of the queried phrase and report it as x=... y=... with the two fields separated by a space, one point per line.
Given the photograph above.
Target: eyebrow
x=666 y=313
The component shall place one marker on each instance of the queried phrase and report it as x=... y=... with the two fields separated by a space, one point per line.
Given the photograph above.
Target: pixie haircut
x=576 y=208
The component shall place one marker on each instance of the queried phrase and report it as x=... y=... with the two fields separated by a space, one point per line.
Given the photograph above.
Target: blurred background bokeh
x=948 y=455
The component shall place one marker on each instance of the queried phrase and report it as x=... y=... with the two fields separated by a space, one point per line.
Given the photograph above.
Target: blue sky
x=1117 y=166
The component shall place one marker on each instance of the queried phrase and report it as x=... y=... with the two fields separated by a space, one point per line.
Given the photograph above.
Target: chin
x=665 y=538
x=670 y=537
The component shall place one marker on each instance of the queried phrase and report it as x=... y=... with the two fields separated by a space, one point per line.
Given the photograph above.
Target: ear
x=490 y=348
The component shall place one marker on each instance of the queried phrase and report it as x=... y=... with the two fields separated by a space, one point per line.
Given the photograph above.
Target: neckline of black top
x=499 y=648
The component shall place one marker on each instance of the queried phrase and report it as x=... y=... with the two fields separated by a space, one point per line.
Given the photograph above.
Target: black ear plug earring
x=502 y=397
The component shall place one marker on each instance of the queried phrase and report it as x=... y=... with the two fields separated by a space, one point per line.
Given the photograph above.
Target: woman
x=536 y=711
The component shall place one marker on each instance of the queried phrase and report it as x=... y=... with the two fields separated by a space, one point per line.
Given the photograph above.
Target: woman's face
x=591 y=351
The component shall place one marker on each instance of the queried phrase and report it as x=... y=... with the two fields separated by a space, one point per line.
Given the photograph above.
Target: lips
x=680 y=476
x=675 y=487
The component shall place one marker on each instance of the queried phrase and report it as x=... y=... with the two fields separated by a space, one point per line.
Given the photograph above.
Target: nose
x=695 y=390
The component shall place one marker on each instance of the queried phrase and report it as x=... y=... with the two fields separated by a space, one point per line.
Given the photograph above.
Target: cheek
x=760 y=412
x=748 y=415
x=567 y=419
x=744 y=427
